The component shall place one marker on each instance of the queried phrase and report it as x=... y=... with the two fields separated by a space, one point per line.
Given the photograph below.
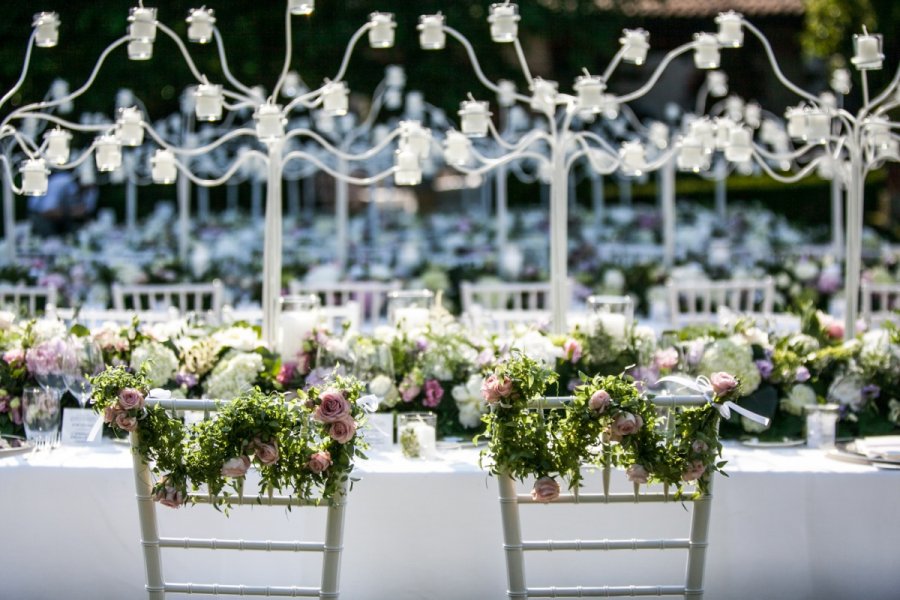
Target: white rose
x=799 y=397
x=381 y=385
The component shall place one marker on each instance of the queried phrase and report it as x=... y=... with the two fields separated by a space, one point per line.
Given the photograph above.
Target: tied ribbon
x=369 y=402
x=160 y=394
x=703 y=385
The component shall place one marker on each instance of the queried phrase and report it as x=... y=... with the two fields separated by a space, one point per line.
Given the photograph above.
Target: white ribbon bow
x=160 y=394
x=703 y=385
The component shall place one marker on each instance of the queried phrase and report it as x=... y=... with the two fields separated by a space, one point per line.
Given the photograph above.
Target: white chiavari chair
x=28 y=299
x=334 y=318
x=369 y=296
x=698 y=302
x=879 y=303
x=186 y=297
x=511 y=499
x=153 y=543
x=504 y=295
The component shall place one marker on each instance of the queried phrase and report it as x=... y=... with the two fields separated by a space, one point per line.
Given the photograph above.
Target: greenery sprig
x=303 y=446
x=608 y=422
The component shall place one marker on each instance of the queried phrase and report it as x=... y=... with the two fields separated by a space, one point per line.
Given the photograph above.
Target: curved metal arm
x=65 y=123
x=244 y=131
x=672 y=55
x=774 y=63
x=477 y=66
x=223 y=59
x=9 y=175
x=786 y=179
x=522 y=62
x=614 y=63
x=25 y=66
x=523 y=142
x=184 y=51
x=494 y=163
x=288 y=51
x=349 y=51
x=227 y=175
x=298 y=154
x=298 y=132
x=790 y=156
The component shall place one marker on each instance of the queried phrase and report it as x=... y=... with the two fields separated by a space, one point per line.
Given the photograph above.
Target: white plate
x=23 y=448
x=786 y=443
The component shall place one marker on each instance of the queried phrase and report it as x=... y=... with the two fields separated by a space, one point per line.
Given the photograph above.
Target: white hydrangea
x=469 y=401
x=7 y=320
x=244 y=339
x=751 y=426
x=877 y=353
x=165 y=330
x=735 y=358
x=846 y=390
x=803 y=344
x=160 y=361
x=48 y=329
x=383 y=387
x=800 y=396
x=234 y=375
x=539 y=347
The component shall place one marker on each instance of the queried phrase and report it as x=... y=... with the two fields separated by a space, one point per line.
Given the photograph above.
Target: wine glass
x=374 y=366
x=332 y=358
x=83 y=360
x=48 y=361
x=41 y=416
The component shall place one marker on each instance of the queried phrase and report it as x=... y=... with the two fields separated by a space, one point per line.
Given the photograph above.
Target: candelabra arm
x=525 y=141
x=491 y=164
x=65 y=123
x=369 y=121
x=226 y=176
x=590 y=135
x=184 y=52
x=520 y=54
x=473 y=58
x=349 y=51
x=362 y=181
x=888 y=91
x=26 y=145
x=782 y=178
x=25 y=66
x=613 y=64
x=633 y=119
x=288 y=51
x=7 y=171
x=791 y=156
x=223 y=59
x=298 y=132
x=200 y=150
x=774 y=64
x=657 y=73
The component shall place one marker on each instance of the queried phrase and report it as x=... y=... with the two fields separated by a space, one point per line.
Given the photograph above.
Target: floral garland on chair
x=304 y=446
x=608 y=422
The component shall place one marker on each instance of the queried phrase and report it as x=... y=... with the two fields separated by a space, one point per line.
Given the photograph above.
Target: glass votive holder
x=611 y=314
x=821 y=423
x=416 y=434
x=299 y=316
x=409 y=309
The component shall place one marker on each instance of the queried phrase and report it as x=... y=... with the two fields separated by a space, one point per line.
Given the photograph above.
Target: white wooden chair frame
x=515 y=547
x=342 y=292
x=152 y=543
x=334 y=316
x=186 y=297
x=703 y=298
x=25 y=295
x=884 y=295
x=504 y=295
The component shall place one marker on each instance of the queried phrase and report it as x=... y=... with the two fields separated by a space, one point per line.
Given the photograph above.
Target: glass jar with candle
x=611 y=315
x=821 y=422
x=410 y=309
x=416 y=434
x=299 y=316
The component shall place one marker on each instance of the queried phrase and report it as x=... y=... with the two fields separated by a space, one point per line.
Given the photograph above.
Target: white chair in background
x=698 y=302
x=156 y=298
x=503 y=295
x=369 y=296
x=628 y=255
x=879 y=303
x=695 y=545
x=30 y=299
x=153 y=544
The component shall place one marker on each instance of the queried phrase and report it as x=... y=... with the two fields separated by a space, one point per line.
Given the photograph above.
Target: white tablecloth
x=787 y=523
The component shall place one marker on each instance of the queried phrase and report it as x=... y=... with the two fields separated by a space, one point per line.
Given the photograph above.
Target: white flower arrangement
x=244 y=339
x=799 y=397
x=45 y=330
x=469 y=401
x=234 y=375
x=733 y=357
x=160 y=360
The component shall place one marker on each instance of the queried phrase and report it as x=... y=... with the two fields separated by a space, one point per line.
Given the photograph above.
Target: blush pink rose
x=666 y=359
x=343 y=431
x=494 y=388
x=637 y=474
x=599 y=401
x=409 y=389
x=169 y=496
x=332 y=406
x=545 y=490
x=236 y=467
x=572 y=350
x=126 y=422
x=110 y=413
x=130 y=398
x=266 y=453
x=722 y=383
x=319 y=462
x=14 y=356
x=835 y=330
x=433 y=393
x=695 y=471
x=626 y=424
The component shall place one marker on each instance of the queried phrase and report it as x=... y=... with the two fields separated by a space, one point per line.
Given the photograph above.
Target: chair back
x=186 y=297
x=515 y=546
x=152 y=543
x=880 y=302
x=698 y=302
x=502 y=295
x=369 y=296
x=29 y=300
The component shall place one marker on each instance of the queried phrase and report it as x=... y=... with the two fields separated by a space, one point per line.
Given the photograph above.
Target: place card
x=78 y=425
x=379 y=431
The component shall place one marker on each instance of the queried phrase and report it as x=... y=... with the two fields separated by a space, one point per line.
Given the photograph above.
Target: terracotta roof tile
x=706 y=8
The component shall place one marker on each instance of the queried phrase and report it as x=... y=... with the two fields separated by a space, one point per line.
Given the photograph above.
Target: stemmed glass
x=82 y=360
x=374 y=366
x=41 y=416
x=49 y=365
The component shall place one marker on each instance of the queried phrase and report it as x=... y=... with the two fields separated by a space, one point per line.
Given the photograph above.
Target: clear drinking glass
x=821 y=423
x=416 y=434
x=612 y=314
x=83 y=360
x=41 y=416
x=410 y=308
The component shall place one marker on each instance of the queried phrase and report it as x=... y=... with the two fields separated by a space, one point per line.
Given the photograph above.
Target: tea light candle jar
x=504 y=21
x=46 y=29
x=590 y=90
x=34 y=177
x=162 y=167
x=867 y=51
x=269 y=122
x=416 y=434
x=208 y=102
x=58 y=145
x=818 y=126
x=474 y=117
x=410 y=309
x=632 y=159
x=302 y=7
x=416 y=138
x=407 y=170
x=381 y=32
x=722 y=127
x=129 y=128
x=796 y=122
x=200 y=25
x=107 y=153
x=299 y=316
x=143 y=24
x=821 y=422
x=457 y=149
x=635 y=45
x=431 y=32
x=691 y=156
x=612 y=315
x=335 y=100
x=706 y=51
x=739 y=148
x=140 y=50
x=878 y=131
x=731 y=33
x=543 y=95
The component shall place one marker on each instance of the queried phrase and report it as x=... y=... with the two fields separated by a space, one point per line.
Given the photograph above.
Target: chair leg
x=699 y=543
x=512 y=538
x=149 y=531
x=334 y=536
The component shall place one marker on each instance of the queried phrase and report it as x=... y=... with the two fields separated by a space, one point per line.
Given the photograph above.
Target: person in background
x=66 y=205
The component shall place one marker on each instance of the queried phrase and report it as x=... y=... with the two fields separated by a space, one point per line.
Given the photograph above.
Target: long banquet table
x=787 y=523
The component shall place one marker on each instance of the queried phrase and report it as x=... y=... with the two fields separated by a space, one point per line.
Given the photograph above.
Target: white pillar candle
x=431 y=32
x=731 y=34
x=381 y=33
x=706 y=51
x=140 y=50
x=691 y=155
x=200 y=25
x=57 y=151
x=335 y=101
x=107 y=153
x=705 y=132
x=632 y=158
x=818 y=126
x=723 y=127
x=162 y=167
x=504 y=21
x=635 y=45
x=416 y=138
x=796 y=122
x=739 y=147
x=34 y=177
x=128 y=127
x=46 y=29
x=269 y=122
x=411 y=317
x=295 y=327
x=208 y=102
x=474 y=117
x=613 y=324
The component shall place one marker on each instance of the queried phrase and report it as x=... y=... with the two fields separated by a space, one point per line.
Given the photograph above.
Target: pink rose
x=504 y=387
x=409 y=389
x=433 y=393
x=637 y=474
x=572 y=350
x=699 y=446
x=126 y=422
x=236 y=467
x=332 y=406
x=599 y=401
x=627 y=424
x=545 y=490
x=494 y=388
x=286 y=373
x=110 y=413
x=169 y=496
x=722 y=383
x=266 y=453
x=695 y=471
x=343 y=431
x=835 y=330
x=319 y=462
x=666 y=359
x=14 y=356
x=130 y=398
